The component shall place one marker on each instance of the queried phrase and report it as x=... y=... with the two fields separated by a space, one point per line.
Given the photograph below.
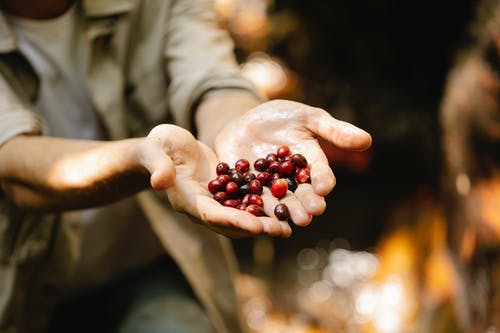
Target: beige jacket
x=149 y=62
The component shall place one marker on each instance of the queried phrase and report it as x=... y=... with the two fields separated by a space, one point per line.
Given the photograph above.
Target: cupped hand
x=276 y=123
x=183 y=166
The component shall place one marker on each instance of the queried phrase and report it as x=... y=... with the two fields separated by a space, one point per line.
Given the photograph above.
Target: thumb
x=340 y=133
x=160 y=166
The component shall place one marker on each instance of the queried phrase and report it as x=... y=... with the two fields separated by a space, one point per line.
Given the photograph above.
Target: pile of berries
x=241 y=188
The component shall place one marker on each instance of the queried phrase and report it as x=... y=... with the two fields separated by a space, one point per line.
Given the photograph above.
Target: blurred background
x=377 y=260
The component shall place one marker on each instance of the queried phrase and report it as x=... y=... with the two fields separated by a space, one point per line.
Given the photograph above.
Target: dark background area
x=381 y=65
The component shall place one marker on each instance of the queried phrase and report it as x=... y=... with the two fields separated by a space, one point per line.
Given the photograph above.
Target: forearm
x=218 y=109
x=52 y=174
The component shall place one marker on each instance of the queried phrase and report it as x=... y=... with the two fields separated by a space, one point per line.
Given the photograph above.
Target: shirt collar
x=91 y=8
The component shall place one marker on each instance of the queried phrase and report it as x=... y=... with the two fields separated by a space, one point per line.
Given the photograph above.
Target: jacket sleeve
x=15 y=117
x=199 y=58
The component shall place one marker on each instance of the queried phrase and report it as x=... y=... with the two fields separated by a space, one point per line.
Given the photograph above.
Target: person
x=103 y=184
x=471 y=172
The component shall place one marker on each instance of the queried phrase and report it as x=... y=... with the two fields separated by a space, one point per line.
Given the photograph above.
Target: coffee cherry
x=279 y=187
x=237 y=177
x=281 y=212
x=299 y=160
x=264 y=177
x=272 y=157
x=256 y=210
x=231 y=203
x=243 y=165
x=215 y=186
x=255 y=199
x=224 y=179
x=248 y=176
x=283 y=151
x=221 y=197
x=221 y=168
x=303 y=175
x=255 y=187
x=261 y=164
x=232 y=189
x=292 y=184
x=287 y=169
x=242 y=206
x=245 y=199
x=274 y=166
x=275 y=176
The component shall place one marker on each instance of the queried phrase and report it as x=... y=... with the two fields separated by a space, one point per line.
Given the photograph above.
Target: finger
x=340 y=133
x=298 y=213
x=160 y=166
x=322 y=178
x=215 y=214
x=313 y=203
x=269 y=203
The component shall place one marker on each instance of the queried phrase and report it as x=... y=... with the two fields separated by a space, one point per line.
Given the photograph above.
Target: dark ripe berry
x=281 y=212
x=232 y=170
x=224 y=179
x=232 y=189
x=286 y=158
x=221 y=168
x=274 y=166
x=255 y=186
x=237 y=177
x=264 y=177
x=244 y=189
x=275 y=175
x=221 y=197
x=292 y=184
x=299 y=160
x=303 y=175
x=243 y=165
x=287 y=169
x=256 y=210
x=215 y=186
x=261 y=164
x=232 y=203
x=245 y=199
x=248 y=176
x=242 y=206
x=279 y=187
x=255 y=199
x=272 y=157
x=283 y=151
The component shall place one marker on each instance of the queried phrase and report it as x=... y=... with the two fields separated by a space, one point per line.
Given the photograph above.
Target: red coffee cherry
x=281 y=212
x=287 y=169
x=232 y=189
x=299 y=160
x=237 y=177
x=243 y=165
x=264 y=177
x=222 y=168
x=248 y=176
x=242 y=206
x=233 y=203
x=271 y=157
x=283 y=151
x=224 y=179
x=274 y=166
x=215 y=186
x=255 y=186
x=279 y=187
x=255 y=199
x=256 y=210
x=261 y=164
x=303 y=175
x=221 y=197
